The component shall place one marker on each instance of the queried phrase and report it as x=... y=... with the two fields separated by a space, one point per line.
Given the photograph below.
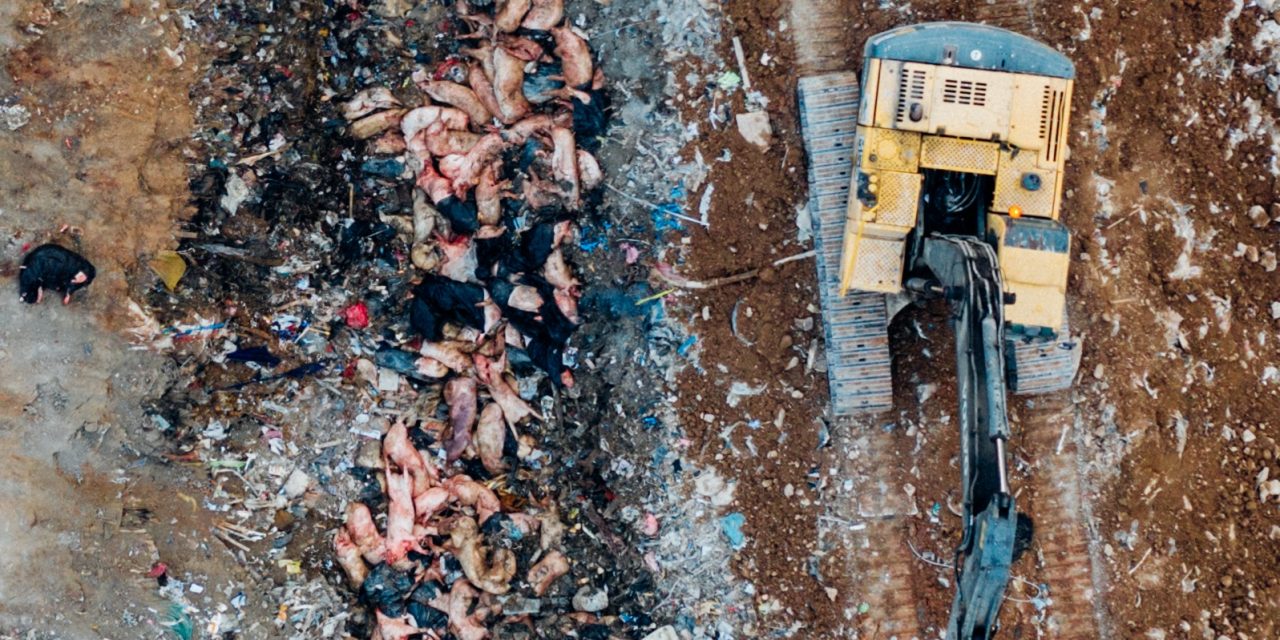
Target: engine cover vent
x=964 y=92
x=1052 y=122
x=911 y=88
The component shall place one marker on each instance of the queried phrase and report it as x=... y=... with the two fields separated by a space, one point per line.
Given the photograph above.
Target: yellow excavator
x=939 y=175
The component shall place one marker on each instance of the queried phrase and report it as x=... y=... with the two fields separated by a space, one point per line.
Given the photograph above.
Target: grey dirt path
x=88 y=501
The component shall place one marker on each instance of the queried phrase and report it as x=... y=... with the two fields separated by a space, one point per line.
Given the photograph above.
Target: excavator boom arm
x=968 y=275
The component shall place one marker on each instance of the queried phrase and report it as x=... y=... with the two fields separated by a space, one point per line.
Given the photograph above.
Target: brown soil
x=1119 y=280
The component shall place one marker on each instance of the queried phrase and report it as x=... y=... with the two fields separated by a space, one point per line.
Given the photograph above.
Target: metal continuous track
x=1067 y=559
x=1014 y=15
x=857 y=333
x=1043 y=365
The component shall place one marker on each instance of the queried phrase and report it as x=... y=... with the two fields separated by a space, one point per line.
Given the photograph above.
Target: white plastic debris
x=297 y=483
x=14 y=117
x=664 y=633
x=714 y=488
x=237 y=193
x=740 y=390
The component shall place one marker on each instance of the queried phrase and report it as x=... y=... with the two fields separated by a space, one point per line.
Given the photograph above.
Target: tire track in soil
x=878 y=556
x=1067 y=558
x=822 y=38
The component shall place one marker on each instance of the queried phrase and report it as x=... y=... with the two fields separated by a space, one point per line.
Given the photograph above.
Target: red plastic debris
x=158 y=569
x=443 y=69
x=356 y=315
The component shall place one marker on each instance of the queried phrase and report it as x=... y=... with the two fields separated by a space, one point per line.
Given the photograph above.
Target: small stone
x=756 y=129
x=1247 y=436
x=369 y=455
x=14 y=117
x=1275 y=310
x=713 y=487
x=788 y=491
x=591 y=599
x=1275 y=211
x=283 y=520
x=1259 y=216
x=297 y=484
x=1226 y=581
x=1268 y=261
x=1098 y=372
x=1268 y=490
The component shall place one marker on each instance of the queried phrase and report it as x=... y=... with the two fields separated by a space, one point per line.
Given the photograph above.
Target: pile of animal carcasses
x=500 y=154
x=432 y=522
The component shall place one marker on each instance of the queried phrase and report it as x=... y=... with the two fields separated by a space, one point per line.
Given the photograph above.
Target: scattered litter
x=731 y=525
x=356 y=316
x=740 y=390
x=170 y=266
x=663 y=633
x=14 y=117
x=729 y=81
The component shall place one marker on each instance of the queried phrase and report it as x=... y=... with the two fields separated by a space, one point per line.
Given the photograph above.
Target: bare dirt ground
x=88 y=506
x=1148 y=483
x=1150 y=516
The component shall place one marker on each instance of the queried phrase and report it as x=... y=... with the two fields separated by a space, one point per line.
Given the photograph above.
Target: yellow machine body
x=1012 y=126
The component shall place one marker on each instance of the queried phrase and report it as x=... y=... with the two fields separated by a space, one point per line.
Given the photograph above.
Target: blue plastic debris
x=649 y=422
x=384 y=167
x=686 y=622
x=592 y=237
x=667 y=218
x=659 y=455
x=688 y=343
x=731 y=526
x=1040 y=603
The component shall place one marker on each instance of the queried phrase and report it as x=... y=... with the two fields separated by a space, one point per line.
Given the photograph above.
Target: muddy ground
x=1144 y=481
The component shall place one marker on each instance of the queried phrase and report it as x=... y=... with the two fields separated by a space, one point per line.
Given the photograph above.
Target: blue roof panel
x=975 y=46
